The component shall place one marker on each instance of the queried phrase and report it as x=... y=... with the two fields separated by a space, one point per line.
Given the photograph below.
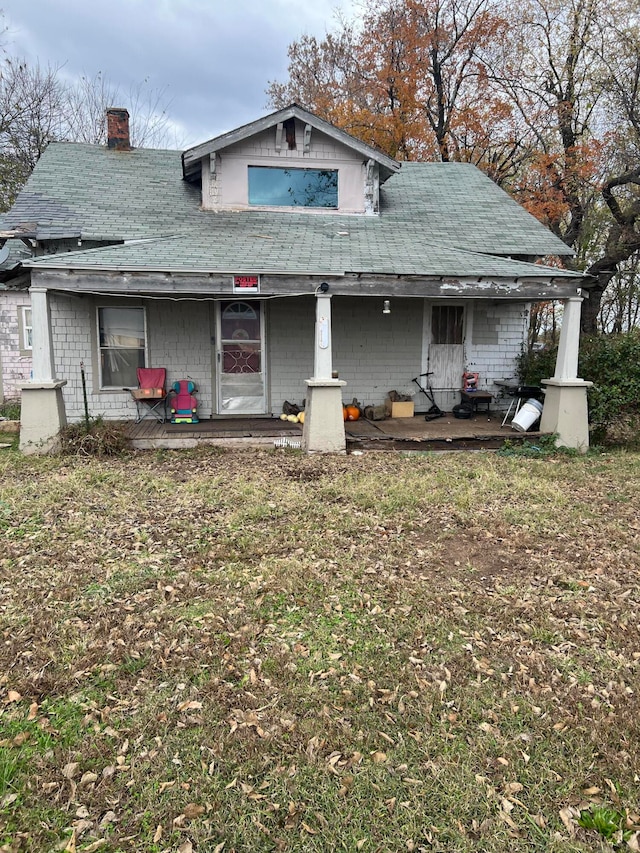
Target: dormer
x=289 y=161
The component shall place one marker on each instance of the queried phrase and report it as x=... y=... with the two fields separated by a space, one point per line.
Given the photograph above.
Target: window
x=26 y=328
x=275 y=187
x=447 y=324
x=122 y=337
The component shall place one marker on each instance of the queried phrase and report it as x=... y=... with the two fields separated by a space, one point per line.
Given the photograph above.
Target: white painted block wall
x=499 y=332
x=16 y=366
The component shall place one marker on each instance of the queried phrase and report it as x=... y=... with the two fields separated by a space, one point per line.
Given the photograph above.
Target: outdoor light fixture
x=324 y=287
x=386 y=307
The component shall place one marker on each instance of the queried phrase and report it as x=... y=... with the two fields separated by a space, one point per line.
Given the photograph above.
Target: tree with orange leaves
x=412 y=79
x=543 y=95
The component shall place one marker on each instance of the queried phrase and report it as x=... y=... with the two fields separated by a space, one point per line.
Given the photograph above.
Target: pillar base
x=323 y=430
x=565 y=412
x=42 y=416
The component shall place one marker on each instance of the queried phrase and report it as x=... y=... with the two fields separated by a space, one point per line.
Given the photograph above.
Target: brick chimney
x=118 y=129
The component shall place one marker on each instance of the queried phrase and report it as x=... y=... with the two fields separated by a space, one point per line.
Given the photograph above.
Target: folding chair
x=150 y=396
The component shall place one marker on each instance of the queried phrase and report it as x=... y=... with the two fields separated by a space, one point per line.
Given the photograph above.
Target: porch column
x=323 y=430
x=42 y=412
x=565 y=411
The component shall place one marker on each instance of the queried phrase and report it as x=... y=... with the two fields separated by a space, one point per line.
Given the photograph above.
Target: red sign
x=246 y=284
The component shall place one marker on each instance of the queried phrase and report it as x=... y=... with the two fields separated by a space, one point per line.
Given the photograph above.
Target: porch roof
x=319 y=248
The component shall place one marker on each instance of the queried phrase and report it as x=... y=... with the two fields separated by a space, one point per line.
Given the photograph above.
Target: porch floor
x=447 y=433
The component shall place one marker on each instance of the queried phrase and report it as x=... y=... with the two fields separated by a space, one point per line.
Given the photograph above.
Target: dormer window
x=271 y=186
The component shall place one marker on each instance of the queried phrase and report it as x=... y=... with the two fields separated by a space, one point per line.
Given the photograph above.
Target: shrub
x=99 y=439
x=533 y=367
x=10 y=410
x=612 y=363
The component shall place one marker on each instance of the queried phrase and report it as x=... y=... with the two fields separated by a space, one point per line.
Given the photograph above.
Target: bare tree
x=38 y=107
x=31 y=110
x=88 y=98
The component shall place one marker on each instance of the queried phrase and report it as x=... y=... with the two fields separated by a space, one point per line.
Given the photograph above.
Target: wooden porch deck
x=484 y=430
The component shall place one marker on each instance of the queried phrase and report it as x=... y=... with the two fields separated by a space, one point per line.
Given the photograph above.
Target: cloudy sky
x=212 y=59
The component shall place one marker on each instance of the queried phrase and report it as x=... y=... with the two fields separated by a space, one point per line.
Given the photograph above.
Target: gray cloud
x=214 y=59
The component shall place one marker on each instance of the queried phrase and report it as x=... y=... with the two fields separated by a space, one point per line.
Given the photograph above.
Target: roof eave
x=191 y=157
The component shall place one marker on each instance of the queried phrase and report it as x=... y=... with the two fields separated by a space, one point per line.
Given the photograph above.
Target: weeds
x=10 y=410
x=100 y=439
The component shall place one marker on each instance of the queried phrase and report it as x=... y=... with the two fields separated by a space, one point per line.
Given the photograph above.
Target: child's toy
x=184 y=405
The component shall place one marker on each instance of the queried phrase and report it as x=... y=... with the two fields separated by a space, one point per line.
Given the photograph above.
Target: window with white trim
x=273 y=186
x=26 y=329
x=122 y=342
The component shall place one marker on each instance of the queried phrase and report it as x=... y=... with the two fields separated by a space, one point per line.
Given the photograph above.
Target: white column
x=42 y=352
x=565 y=411
x=569 y=346
x=323 y=358
x=323 y=430
x=42 y=411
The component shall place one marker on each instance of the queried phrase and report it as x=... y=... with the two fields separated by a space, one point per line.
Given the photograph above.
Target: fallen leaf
x=157 y=834
x=13 y=696
x=21 y=738
x=566 y=816
x=190 y=706
x=192 y=811
x=379 y=757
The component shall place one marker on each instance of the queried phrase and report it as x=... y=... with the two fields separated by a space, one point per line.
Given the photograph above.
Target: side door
x=445 y=328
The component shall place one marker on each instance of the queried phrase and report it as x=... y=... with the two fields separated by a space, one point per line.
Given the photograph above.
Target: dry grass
x=253 y=650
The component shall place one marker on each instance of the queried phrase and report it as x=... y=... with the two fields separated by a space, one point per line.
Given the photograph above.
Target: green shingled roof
x=441 y=219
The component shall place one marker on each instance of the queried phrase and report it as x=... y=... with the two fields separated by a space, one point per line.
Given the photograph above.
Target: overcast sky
x=212 y=58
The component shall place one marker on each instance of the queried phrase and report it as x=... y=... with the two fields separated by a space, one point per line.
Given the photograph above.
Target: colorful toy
x=184 y=406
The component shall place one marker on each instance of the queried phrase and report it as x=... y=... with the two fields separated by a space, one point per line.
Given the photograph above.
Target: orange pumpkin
x=352 y=413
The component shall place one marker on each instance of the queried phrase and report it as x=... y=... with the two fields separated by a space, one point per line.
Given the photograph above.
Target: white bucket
x=529 y=413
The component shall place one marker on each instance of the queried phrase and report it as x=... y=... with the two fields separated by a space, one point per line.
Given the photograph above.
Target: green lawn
x=262 y=651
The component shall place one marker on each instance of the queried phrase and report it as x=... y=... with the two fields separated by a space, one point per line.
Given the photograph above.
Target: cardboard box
x=402 y=410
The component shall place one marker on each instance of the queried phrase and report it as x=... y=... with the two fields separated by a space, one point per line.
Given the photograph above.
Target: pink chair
x=150 y=396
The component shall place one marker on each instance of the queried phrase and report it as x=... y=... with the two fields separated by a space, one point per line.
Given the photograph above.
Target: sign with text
x=246 y=284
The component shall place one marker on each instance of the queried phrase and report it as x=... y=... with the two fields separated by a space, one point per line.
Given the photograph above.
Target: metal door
x=240 y=358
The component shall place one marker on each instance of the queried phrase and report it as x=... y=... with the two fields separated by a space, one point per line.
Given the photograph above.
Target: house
x=283 y=260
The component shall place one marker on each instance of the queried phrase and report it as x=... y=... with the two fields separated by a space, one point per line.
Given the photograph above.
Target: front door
x=240 y=361
x=446 y=353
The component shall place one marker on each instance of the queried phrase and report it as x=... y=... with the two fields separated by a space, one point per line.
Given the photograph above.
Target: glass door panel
x=240 y=358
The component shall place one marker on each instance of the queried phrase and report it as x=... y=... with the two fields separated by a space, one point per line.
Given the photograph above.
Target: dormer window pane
x=276 y=187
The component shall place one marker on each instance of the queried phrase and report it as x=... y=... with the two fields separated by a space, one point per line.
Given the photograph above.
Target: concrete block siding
x=373 y=352
x=15 y=365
